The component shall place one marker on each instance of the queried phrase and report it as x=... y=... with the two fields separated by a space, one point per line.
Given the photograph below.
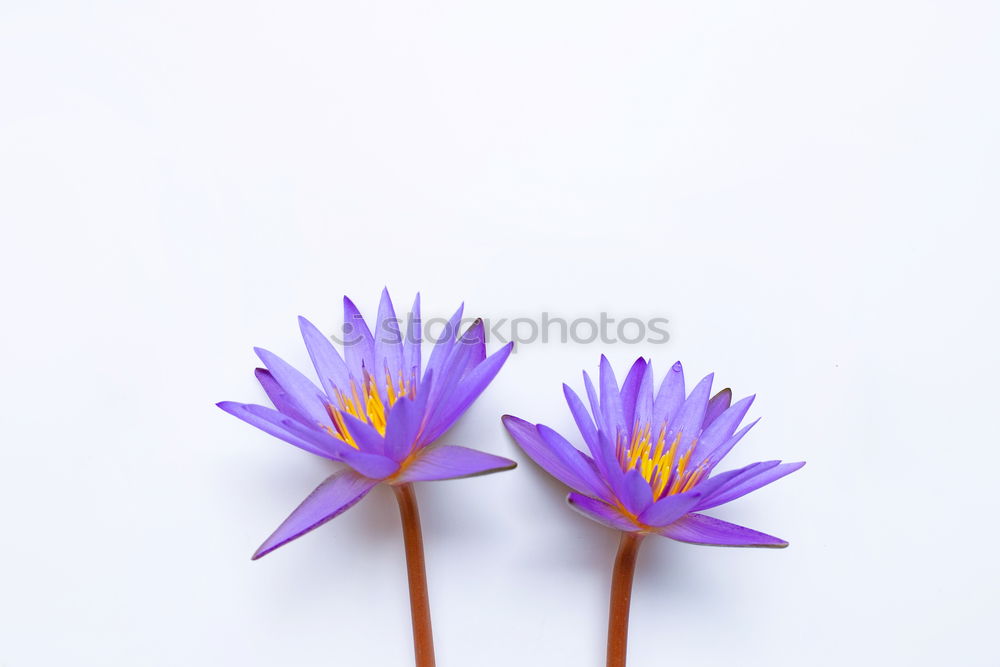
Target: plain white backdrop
x=807 y=191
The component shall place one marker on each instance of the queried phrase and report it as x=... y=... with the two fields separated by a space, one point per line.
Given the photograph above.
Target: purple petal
x=274 y=423
x=447 y=363
x=669 y=509
x=711 y=486
x=720 y=452
x=403 y=426
x=556 y=456
x=691 y=414
x=701 y=529
x=330 y=368
x=475 y=339
x=600 y=512
x=595 y=404
x=721 y=429
x=299 y=388
x=630 y=391
x=364 y=434
x=320 y=442
x=611 y=400
x=444 y=344
x=359 y=345
x=670 y=396
x=638 y=494
x=717 y=405
x=315 y=440
x=450 y=462
x=334 y=496
x=582 y=418
x=644 y=401
x=411 y=346
x=450 y=372
x=576 y=461
x=388 y=343
x=739 y=487
x=370 y=465
x=279 y=397
x=604 y=454
x=469 y=350
x=467 y=391
x=611 y=467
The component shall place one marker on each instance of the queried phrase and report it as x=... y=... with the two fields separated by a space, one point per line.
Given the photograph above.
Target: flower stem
x=621 y=598
x=420 y=608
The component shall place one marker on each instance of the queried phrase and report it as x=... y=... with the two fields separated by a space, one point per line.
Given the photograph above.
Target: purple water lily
x=378 y=413
x=650 y=469
x=652 y=455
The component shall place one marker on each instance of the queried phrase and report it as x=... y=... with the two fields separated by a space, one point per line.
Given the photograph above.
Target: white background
x=808 y=191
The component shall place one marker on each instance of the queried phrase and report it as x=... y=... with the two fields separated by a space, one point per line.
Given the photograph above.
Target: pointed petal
x=411 y=346
x=701 y=529
x=388 y=343
x=611 y=467
x=554 y=455
x=717 y=405
x=274 y=423
x=630 y=392
x=600 y=512
x=450 y=372
x=720 y=452
x=364 y=434
x=299 y=388
x=359 y=344
x=279 y=397
x=611 y=400
x=450 y=462
x=644 y=401
x=444 y=343
x=712 y=486
x=669 y=509
x=403 y=426
x=576 y=461
x=314 y=441
x=467 y=391
x=721 y=429
x=330 y=368
x=368 y=464
x=445 y=358
x=581 y=417
x=760 y=477
x=638 y=494
x=691 y=414
x=334 y=496
x=670 y=396
x=604 y=455
x=475 y=339
x=595 y=404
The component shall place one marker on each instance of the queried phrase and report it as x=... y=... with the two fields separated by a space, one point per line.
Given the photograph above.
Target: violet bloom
x=378 y=413
x=650 y=468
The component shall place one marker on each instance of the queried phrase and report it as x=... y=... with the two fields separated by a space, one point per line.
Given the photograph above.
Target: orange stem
x=621 y=598
x=416 y=574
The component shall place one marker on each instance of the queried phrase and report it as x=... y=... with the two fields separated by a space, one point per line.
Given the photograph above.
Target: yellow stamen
x=365 y=403
x=666 y=471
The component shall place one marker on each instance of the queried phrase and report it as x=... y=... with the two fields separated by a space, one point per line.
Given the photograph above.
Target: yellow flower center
x=365 y=403
x=665 y=468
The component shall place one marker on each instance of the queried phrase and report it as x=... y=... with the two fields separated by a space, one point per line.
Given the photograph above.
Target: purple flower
x=374 y=409
x=653 y=455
